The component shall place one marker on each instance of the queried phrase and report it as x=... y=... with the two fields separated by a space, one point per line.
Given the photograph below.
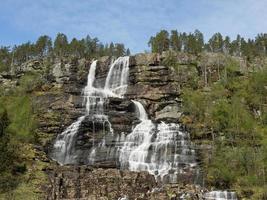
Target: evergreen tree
x=111 y=49
x=261 y=44
x=23 y=52
x=199 y=41
x=160 y=42
x=236 y=46
x=215 y=44
x=128 y=52
x=184 y=41
x=43 y=45
x=76 y=47
x=175 y=41
x=91 y=46
x=61 y=45
x=227 y=45
x=119 y=50
x=190 y=43
x=5 y=58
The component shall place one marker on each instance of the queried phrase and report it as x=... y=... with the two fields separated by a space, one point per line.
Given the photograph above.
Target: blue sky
x=129 y=21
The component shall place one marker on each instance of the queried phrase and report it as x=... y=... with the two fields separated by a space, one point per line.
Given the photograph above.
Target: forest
x=195 y=43
x=44 y=47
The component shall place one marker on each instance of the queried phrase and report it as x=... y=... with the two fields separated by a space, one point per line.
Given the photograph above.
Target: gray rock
x=168 y=113
x=147 y=59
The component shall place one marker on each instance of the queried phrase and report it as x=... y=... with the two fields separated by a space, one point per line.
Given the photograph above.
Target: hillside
x=210 y=108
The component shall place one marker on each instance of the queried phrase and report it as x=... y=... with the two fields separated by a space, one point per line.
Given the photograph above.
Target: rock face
x=87 y=183
x=97 y=143
x=106 y=135
x=94 y=184
x=158 y=87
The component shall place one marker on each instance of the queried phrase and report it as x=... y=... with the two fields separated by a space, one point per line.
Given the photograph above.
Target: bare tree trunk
x=225 y=74
x=205 y=75
x=218 y=70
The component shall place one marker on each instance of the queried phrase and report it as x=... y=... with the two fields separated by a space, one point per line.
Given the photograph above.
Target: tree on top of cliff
x=194 y=43
x=61 y=44
x=160 y=42
x=43 y=45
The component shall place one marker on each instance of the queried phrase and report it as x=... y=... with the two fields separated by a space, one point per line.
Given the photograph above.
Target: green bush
x=29 y=82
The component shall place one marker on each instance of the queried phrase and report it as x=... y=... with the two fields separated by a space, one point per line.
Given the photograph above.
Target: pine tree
x=175 y=41
x=5 y=58
x=198 y=42
x=215 y=43
x=43 y=45
x=111 y=49
x=226 y=45
x=128 y=52
x=160 y=43
x=61 y=45
x=77 y=48
x=119 y=50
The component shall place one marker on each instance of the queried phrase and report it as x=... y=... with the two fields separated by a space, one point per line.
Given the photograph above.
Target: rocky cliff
x=59 y=102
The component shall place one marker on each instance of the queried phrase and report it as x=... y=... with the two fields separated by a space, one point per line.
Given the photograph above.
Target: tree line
x=194 y=43
x=87 y=47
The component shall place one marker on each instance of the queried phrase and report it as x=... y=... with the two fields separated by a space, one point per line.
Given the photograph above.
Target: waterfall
x=89 y=89
x=142 y=115
x=63 y=151
x=115 y=86
x=63 y=147
x=161 y=149
x=220 y=195
x=94 y=99
x=117 y=78
x=134 y=152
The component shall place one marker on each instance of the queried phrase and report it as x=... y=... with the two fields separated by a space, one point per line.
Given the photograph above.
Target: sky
x=131 y=22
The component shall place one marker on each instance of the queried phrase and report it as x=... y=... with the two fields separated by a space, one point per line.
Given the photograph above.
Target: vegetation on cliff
x=20 y=174
x=228 y=108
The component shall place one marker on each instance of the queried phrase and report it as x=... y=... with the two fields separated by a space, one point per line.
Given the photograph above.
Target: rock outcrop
x=94 y=184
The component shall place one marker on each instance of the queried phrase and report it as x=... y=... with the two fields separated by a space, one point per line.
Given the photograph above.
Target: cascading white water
x=94 y=98
x=64 y=144
x=142 y=115
x=161 y=149
x=135 y=149
x=89 y=89
x=63 y=151
x=115 y=86
x=117 y=78
x=220 y=195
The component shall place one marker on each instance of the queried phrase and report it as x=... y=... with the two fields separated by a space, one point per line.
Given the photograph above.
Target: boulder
x=170 y=113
